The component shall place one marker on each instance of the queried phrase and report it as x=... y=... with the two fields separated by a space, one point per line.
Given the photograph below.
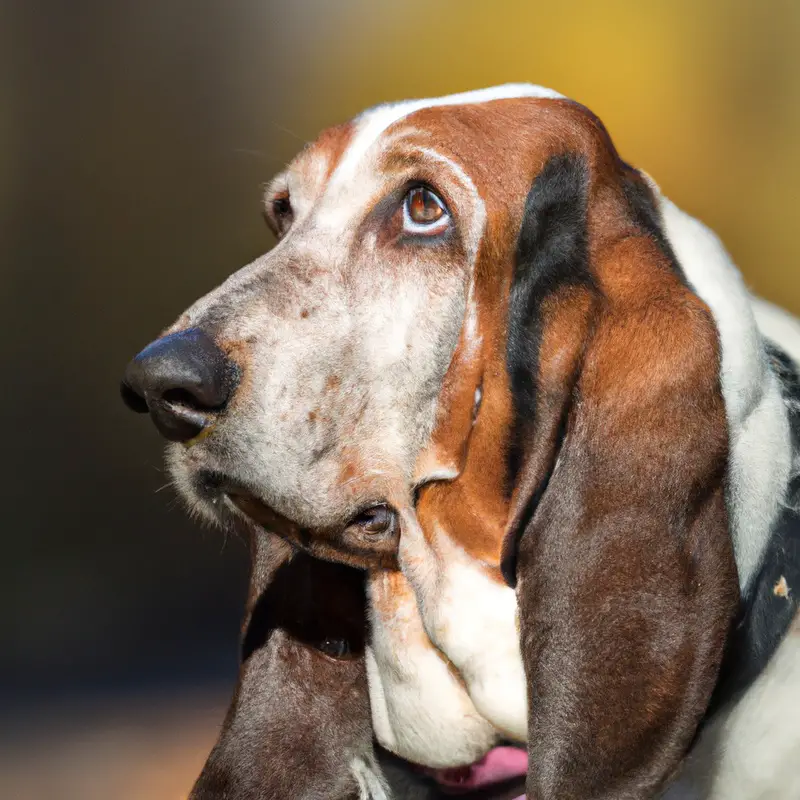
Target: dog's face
x=341 y=336
x=474 y=331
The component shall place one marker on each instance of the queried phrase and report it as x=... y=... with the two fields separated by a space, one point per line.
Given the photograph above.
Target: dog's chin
x=204 y=490
x=223 y=499
x=364 y=534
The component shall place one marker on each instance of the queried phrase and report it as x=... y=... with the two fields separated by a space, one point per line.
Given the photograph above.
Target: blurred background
x=135 y=136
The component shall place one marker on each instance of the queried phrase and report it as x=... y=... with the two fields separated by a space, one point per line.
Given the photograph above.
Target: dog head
x=474 y=323
x=304 y=390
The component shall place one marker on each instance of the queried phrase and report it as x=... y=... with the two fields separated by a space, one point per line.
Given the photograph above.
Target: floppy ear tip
x=508 y=561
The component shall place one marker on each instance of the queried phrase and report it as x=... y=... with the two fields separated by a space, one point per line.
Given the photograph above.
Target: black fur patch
x=644 y=213
x=767 y=612
x=552 y=252
x=297 y=602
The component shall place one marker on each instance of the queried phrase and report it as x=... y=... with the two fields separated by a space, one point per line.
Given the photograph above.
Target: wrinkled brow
x=406 y=155
x=407 y=158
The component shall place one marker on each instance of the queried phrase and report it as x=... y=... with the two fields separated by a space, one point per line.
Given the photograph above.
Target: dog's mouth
x=260 y=513
x=369 y=537
x=501 y=769
x=228 y=500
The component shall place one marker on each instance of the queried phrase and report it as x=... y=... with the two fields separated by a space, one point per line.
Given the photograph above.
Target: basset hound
x=492 y=366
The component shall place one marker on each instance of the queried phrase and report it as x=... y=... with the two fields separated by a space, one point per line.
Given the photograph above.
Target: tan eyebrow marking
x=332 y=144
x=398 y=161
x=275 y=187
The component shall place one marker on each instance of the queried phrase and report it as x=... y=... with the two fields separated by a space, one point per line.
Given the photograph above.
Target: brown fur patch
x=628 y=582
x=473 y=508
x=333 y=143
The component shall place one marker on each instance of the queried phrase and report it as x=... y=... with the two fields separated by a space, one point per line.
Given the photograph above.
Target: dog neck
x=771 y=601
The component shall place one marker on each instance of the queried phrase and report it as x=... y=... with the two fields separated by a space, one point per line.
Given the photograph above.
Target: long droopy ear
x=618 y=536
x=299 y=723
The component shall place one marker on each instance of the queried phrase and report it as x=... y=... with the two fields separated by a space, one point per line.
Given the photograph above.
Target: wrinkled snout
x=183 y=381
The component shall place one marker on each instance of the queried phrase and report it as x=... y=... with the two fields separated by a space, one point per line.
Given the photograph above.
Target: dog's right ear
x=618 y=538
x=299 y=724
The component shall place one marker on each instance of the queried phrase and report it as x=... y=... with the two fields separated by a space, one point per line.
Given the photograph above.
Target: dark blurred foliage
x=134 y=139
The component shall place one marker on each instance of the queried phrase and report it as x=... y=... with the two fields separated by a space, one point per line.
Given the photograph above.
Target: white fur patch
x=420 y=709
x=472 y=618
x=752 y=750
x=760 y=449
x=371 y=785
x=779 y=326
x=375 y=121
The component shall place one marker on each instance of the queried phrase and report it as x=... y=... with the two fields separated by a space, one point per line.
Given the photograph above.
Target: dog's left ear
x=618 y=537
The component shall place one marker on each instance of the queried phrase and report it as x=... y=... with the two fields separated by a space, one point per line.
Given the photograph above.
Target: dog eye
x=424 y=212
x=335 y=648
x=375 y=520
x=281 y=214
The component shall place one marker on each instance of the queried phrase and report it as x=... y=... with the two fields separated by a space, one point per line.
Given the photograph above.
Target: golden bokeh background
x=135 y=136
x=705 y=96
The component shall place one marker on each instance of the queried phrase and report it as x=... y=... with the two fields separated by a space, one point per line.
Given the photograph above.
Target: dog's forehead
x=473 y=126
x=375 y=123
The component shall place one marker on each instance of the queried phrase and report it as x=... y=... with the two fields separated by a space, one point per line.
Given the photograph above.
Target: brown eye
x=335 y=648
x=282 y=213
x=423 y=210
x=281 y=206
x=375 y=520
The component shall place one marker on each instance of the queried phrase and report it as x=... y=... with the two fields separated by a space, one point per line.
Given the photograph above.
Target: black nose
x=182 y=380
